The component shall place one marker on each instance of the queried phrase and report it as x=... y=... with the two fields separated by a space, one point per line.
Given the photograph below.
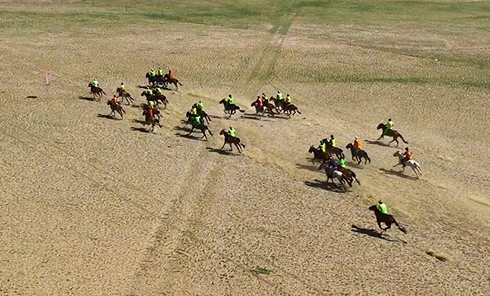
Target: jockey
x=323 y=146
x=264 y=97
x=357 y=143
x=332 y=141
x=382 y=208
x=95 y=83
x=288 y=99
x=279 y=96
x=170 y=74
x=151 y=104
x=122 y=87
x=158 y=91
x=231 y=132
x=152 y=73
x=200 y=106
x=342 y=162
x=388 y=127
x=149 y=92
x=260 y=101
x=196 y=120
x=408 y=156
x=160 y=72
x=333 y=164
x=115 y=101
x=230 y=100
x=194 y=110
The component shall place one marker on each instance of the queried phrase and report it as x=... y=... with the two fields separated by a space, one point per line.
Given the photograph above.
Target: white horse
x=411 y=163
x=331 y=174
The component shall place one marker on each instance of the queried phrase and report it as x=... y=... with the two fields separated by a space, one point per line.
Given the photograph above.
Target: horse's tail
x=355 y=178
x=367 y=157
x=243 y=111
x=180 y=83
x=242 y=145
x=209 y=131
x=402 y=229
x=403 y=139
x=298 y=111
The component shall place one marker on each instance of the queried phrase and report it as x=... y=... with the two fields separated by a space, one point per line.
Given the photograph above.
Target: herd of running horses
x=272 y=107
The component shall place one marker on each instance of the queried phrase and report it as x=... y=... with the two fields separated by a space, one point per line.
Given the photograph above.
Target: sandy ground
x=93 y=207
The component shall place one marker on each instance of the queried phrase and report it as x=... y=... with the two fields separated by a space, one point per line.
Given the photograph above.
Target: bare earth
x=93 y=207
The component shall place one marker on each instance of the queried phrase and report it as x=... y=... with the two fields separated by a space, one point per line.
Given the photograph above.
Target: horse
x=115 y=108
x=386 y=219
x=279 y=103
x=332 y=173
x=358 y=153
x=319 y=155
x=391 y=133
x=167 y=79
x=231 y=140
x=349 y=174
x=203 y=128
x=335 y=151
x=411 y=163
x=96 y=92
x=201 y=113
x=155 y=80
x=290 y=108
x=231 y=108
x=262 y=108
x=125 y=95
x=151 y=120
x=157 y=98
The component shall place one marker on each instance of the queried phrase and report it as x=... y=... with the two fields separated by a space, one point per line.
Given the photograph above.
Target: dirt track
x=92 y=207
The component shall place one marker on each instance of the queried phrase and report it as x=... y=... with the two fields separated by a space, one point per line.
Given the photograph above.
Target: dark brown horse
x=174 y=81
x=97 y=92
x=231 y=140
x=203 y=128
x=358 y=154
x=115 y=108
x=332 y=173
x=125 y=95
x=349 y=174
x=279 y=103
x=230 y=108
x=386 y=219
x=319 y=155
x=157 y=98
x=391 y=133
x=290 y=109
x=151 y=119
x=201 y=113
x=261 y=109
x=335 y=151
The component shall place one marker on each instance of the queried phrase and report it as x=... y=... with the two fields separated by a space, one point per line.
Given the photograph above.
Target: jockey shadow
x=398 y=173
x=370 y=232
x=379 y=143
x=91 y=99
x=31 y=97
x=353 y=163
x=108 y=116
x=182 y=128
x=309 y=167
x=142 y=86
x=140 y=106
x=222 y=152
x=325 y=186
x=254 y=117
x=139 y=121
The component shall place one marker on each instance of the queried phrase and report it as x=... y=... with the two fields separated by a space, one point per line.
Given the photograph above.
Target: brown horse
x=125 y=95
x=290 y=109
x=230 y=108
x=332 y=173
x=231 y=140
x=115 y=108
x=349 y=174
x=157 y=98
x=97 y=92
x=391 y=133
x=319 y=155
x=262 y=109
x=358 y=153
x=335 y=151
x=151 y=120
x=203 y=128
x=174 y=81
x=201 y=113
x=279 y=103
x=386 y=219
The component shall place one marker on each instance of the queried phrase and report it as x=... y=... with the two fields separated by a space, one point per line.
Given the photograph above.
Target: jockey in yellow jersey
x=231 y=132
x=382 y=208
x=388 y=127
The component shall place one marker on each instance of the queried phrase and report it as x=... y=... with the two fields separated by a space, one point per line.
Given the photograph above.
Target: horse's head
x=90 y=85
x=373 y=208
x=381 y=126
x=143 y=93
x=147 y=74
x=397 y=154
x=222 y=101
x=253 y=104
x=349 y=146
x=109 y=102
x=188 y=114
x=312 y=149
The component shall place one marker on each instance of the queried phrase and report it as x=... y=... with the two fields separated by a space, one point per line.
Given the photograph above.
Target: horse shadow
x=187 y=136
x=140 y=106
x=255 y=117
x=398 y=173
x=31 y=97
x=86 y=98
x=108 y=116
x=377 y=143
x=182 y=128
x=143 y=86
x=222 y=152
x=370 y=232
x=309 y=167
x=215 y=116
x=355 y=164
x=324 y=185
x=140 y=129
x=139 y=121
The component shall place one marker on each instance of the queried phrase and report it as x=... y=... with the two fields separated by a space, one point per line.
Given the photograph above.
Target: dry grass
x=92 y=207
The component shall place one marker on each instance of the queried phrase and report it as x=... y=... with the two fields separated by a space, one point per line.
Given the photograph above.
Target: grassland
x=92 y=207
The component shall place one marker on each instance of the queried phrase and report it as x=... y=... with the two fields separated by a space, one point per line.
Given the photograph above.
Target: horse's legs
x=380 y=137
x=223 y=145
x=192 y=128
x=231 y=147
x=238 y=147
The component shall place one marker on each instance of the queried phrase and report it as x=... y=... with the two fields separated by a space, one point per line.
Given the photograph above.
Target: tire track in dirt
x=165 y=253
x=263 y=70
